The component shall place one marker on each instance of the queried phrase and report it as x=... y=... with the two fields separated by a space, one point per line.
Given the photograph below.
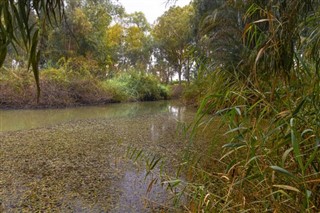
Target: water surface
x=12 y=120
x=76 y=159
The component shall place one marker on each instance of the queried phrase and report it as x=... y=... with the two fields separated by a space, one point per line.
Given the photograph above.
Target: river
x=90 y=159
x=12 y=120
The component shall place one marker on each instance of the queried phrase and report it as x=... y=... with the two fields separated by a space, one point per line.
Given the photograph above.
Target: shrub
x=73 y=84
x=77 y=67
x=117 y=89
x=53 y=74
x=134 y=86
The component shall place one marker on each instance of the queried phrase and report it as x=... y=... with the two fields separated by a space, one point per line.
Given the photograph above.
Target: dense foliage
x=260 y=74
x=135 y=86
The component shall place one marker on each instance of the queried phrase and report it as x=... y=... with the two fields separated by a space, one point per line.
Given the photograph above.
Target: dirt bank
x=53 y=94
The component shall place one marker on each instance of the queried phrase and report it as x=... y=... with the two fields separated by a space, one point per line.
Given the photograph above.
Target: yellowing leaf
x=291 y=188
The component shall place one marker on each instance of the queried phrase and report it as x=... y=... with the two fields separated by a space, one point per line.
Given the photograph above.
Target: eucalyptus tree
x=139 y=20
x=128 y=42
x=173 y=35
x=114 y=40
x=137 y=42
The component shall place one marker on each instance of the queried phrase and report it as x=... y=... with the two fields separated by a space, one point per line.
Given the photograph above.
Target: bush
x=133 y=86
x=117 y=89
x=59 y=88
x=53 y=74
x=77 y=67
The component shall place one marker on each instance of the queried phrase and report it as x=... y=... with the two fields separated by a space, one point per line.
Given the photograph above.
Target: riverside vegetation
x=261 y=81
x=66 y=86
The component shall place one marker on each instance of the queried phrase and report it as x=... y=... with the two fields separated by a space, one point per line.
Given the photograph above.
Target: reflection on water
x=12 y=120
x=177 y=111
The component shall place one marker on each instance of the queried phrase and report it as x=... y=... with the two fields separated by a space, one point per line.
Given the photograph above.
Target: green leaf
x=34 y=61
x=295 y=145
x=138 y=155
x=282 y=170
x=306 y=131
x=235 y=130
x=233 y=145
x=154 y=163
x=311 y=158
x=172 y=183
x=297 y=110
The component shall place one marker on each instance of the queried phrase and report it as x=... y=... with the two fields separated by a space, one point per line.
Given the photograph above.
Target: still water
x=12 y=120
x=88 y=159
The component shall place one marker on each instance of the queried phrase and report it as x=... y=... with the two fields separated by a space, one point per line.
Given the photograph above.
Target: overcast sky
x=151 y=8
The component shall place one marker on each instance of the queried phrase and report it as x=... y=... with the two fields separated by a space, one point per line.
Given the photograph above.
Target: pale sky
x=151 y=8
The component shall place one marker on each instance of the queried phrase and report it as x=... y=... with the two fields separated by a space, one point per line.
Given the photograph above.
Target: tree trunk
x=179 y=70
x=188 y=70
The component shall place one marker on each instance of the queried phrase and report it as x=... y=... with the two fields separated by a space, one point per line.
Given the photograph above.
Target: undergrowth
x=77 y=82
x=135 y=86
x=266 y=156
x=251 y=148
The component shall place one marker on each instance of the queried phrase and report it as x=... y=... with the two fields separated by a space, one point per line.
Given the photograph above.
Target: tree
x=114 y=46
x=172 y=35
x=137 y=48
x=139 y=20
x=83 y=31
x=218 y=29
x=128 y=42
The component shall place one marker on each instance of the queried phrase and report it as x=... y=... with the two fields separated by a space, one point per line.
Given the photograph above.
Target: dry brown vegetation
x=20 y=92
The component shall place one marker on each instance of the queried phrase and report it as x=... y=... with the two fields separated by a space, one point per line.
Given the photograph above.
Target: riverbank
x=53 y=95
x=61 y=89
